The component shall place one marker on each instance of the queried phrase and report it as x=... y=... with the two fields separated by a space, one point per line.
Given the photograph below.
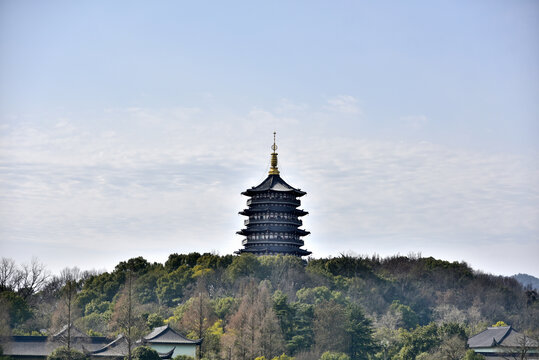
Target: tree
x=198 y=317
x=170 y=287
x=9 y=274
x=453 y=348
x=361 y=343
x=472 y=355
x=329 y=327
x=66 y=310
x=422 y=339
x=283 y=357
x=154 y=320
x=15 y=308
x=407 y=318
x=135 y=265
x=254 y=329
x=328 y=355
x=521 y=351
x=145 y=353
x=244 y=265
x=32 y=277
x=126 y=316
x=63 y=353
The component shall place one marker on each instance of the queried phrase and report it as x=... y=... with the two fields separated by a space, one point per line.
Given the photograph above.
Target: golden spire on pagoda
x=273 y=169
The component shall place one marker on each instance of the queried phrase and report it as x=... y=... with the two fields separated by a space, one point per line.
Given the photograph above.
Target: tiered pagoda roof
x=273 y=221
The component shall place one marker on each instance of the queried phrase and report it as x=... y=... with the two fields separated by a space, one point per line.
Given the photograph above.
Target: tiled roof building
x=502 y=342
x=165 y=340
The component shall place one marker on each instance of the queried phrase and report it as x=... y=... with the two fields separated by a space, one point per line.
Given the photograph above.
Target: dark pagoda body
x=273 y=222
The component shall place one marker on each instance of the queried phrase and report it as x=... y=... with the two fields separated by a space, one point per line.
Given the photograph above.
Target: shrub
x=328 y=355
x=63 y=353
x=144 y=353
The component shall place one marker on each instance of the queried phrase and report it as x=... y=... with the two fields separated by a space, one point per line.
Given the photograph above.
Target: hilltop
x=306 y=307
x=527 y=280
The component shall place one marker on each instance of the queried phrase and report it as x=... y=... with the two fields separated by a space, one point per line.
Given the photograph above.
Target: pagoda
x=273 y=224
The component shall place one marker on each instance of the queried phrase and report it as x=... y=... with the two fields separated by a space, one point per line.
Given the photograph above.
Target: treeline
x=248 y=307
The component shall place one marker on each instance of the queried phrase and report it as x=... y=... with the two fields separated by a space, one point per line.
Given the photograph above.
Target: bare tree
x=126 y=317
x=199 y=317
x=453 y=348
x=254 y=329
x=32 y=277
x=521 y=351
x=8 y=274
x=66 y=311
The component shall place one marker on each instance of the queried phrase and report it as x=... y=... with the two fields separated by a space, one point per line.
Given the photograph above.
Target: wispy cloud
x=345 y=104
x=175 y=186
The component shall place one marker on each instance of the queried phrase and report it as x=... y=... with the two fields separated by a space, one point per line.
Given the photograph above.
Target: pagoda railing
x=280 y=220
x=273 y=241
x=294 y=202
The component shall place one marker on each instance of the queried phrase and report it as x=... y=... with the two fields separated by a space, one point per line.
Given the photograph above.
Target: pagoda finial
x=273 y=169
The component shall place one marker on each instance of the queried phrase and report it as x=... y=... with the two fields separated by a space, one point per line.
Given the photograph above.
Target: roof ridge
x=509 y=328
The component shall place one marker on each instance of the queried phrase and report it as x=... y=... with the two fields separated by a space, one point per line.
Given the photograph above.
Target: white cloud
x=344 y=104
x=172 y=187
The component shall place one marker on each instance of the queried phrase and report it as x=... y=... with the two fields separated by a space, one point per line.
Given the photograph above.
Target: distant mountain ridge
x=526 y=280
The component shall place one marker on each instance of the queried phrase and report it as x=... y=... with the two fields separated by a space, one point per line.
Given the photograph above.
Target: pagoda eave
x=264 y=209
x=277 y=230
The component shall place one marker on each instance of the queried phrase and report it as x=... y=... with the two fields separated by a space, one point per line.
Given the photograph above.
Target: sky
x=130 y=128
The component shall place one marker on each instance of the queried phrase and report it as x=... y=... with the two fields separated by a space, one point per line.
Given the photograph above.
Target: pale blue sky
x=130 y=127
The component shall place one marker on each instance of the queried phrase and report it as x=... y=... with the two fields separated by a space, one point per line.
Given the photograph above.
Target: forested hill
x=247 y=306
x=527 y=280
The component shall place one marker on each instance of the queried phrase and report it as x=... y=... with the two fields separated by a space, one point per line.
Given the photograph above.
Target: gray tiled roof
x=167 y=335
x=43 y=346
x=118 y=347
x=499 y=336
x=275 y=183
x=75 y=332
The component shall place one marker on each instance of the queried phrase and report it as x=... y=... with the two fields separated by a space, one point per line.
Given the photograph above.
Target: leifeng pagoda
x=273 y=224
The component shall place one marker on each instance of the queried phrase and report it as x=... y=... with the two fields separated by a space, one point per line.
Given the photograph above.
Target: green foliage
x=500 y=323
x=146 y=285
x=144 y=353
x=319 y=294
x=300 y=335
x=62 y=353
x=170 y=287
x=94 y=333
x=359 y=330
x=137 y=265
x=472 y=355
x=314 y=295
x=97 y=306
x=223 y=307
x=283 y=357
x=94 y=321
x=176 y=260
x=347 y=266
x=183 y=357
x=420 y=307
x=421 y=339
x=245 y=265
x=22 y=332
x=17 y=308
x=328 y=355
x=408 y=318
x=154 y=320
x=452 y=329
